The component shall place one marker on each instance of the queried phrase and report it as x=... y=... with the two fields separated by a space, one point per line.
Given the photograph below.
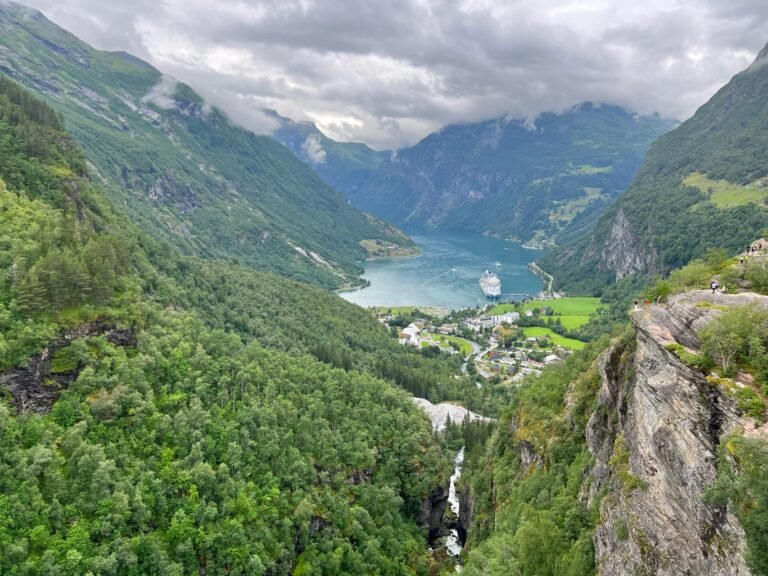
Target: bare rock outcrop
x=36 y=386
x=654 y=437
x=623 y=254
x=432 y=514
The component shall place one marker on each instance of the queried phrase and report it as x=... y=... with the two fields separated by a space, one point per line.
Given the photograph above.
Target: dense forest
x=151 y=424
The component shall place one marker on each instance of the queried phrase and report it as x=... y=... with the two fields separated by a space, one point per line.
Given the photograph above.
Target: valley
x=213 y=363
x=446 y=272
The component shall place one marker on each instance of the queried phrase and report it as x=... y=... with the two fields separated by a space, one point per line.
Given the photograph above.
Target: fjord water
x=447 y=272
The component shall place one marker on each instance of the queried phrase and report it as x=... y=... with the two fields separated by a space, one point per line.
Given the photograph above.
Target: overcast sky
x=388 y=72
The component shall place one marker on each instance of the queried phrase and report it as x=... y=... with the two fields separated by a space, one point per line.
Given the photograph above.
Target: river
x=447 y=272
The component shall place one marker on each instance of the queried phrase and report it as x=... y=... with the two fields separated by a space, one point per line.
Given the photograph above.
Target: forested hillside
x=702 y=186
x=180 y=169
x=510 y=179
x=530 y=514
x=151 y=426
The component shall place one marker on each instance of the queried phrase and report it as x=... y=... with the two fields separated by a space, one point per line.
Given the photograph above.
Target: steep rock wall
x=654 y=437
x=622 y=253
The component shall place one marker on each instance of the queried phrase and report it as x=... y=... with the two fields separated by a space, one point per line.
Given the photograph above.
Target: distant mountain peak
x=760 y=61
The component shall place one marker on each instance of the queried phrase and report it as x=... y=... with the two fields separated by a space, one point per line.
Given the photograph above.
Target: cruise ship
x=490 y=284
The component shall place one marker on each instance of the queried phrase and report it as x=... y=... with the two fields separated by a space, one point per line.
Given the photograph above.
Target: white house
x=506 y=318
x=410 y=335
x=551 y=359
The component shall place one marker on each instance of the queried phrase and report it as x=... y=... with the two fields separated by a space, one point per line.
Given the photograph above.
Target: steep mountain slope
x=344 y=165
x=506 y=178
x=148 y=426
x=179 y=168
x=637 y=459
x=702 y=185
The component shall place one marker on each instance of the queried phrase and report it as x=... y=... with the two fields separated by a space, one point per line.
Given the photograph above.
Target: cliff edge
x=654 y=437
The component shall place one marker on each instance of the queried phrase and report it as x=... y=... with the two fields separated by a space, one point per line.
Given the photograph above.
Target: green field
x=538 y=332
x=464 y=346
x=723 y=193
x=572 y=322
x=589 y=169
x=395 y=310
x=572 y=312
x=566 y=211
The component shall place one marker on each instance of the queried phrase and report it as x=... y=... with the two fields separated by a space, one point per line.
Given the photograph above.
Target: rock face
x=439 y=414
x=36 y=386
x=622 y=253
x=654 y=437
x=466 y=513
x=432 y=516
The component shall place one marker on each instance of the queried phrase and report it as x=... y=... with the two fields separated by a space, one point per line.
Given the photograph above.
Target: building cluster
x=479 y=323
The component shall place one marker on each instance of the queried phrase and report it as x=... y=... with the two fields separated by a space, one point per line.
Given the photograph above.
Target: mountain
x=631 y=452
x=166 y=414
x=507 y=178
x=181 y=169
x=703 y=185
x=346 y=166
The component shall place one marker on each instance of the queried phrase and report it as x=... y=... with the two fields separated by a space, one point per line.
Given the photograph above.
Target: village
x=502 y=343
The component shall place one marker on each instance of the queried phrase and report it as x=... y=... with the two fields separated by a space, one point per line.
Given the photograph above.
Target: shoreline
x=545 y=276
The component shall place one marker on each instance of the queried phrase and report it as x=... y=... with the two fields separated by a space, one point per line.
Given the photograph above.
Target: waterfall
x=452 y=544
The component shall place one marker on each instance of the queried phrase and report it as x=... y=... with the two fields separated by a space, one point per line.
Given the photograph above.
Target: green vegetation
x=690 y=359
x=568 y=322
x=384 y=249
x=565 y=211
x=748 y=401
x=462 y=345
x=248 y=425
x=570 y=306
x=532 y=519
x=587 y=169
x=620 y=464
x=557 y=339
x=724 y=194
x=668 y=212
x=742 y=478
x=550 y=182
x=185 y=173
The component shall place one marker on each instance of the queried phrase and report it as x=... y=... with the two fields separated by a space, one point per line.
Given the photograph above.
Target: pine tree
x=31 y=294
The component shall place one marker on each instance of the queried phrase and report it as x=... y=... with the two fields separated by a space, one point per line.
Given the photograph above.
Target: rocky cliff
x=654 y=437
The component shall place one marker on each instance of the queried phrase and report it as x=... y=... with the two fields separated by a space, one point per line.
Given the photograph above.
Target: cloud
x=313 y=149
x=389 y=72
x=162 y=94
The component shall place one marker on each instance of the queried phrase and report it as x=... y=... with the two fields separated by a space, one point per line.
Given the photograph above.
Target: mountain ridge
x=701 y=186
x=504 y=176
x=181 y=168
